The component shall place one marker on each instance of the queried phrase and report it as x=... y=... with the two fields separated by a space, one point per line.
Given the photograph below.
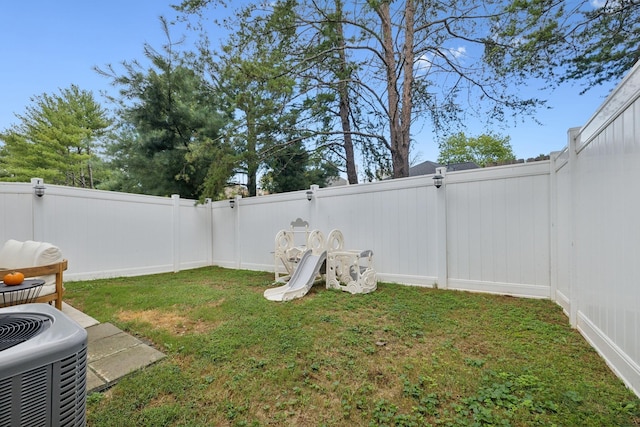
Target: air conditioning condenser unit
x=43 y=366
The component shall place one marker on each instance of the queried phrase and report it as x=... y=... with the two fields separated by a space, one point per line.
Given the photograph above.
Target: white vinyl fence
x=565 y=229
x=107 y=234
x=484 y=230
x=596 y=230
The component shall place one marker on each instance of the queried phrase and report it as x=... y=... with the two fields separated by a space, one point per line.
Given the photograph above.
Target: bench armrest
x=44 y=270
x=41 y=270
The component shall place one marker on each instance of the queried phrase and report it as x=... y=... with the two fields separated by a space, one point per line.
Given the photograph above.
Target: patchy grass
x=401 y=356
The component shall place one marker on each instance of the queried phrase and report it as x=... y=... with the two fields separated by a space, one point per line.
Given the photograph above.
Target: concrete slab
x=117 y=365
x=113 y=344
x=112 y=353
x=103 y=330
x=94 y=382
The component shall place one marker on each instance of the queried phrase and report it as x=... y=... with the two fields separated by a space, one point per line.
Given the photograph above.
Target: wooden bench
x=49 y=293
x=36 y=260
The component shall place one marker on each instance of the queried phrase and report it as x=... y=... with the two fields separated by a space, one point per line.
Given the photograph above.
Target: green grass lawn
x=401 y=356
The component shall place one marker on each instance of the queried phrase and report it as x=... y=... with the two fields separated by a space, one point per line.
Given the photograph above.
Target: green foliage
x=59 y=139
x=381 y=66
x=291 y=169
x=608 y=41
x=371 y=70
x=256 y=74
x=484 y=150
x=400 y=356
x=251 y=75
x=560 y=41
x=170 y=141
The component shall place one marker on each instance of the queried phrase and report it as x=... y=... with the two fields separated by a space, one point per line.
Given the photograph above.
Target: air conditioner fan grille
x=16 y=329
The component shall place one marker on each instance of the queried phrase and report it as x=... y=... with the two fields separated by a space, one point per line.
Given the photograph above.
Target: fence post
x=175 y=198
x=37 y=210
x=237 y=249
x=441 y=224
x=553 y=229
x=209 y=206
x=313 y=204
x=573 y=135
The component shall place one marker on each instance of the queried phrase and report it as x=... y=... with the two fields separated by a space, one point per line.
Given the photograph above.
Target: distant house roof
x=336 y=181
x=424 y=168
x=429 y=168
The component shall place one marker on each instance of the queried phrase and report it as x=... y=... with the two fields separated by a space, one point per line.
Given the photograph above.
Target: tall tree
x=170 y=141
x=58 y=138
x=484 y=150
x=418 y=59
x=314 y=67
x=329 y=70
x=254 y=71
x=254 y=84
x=343 y=72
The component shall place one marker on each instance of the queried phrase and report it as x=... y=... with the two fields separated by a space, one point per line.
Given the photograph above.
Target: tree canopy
x=408 y=61
x=292 y=168
x=276 y=103
x=606 y=42
x=58 y=138
x=300 y=91
x=171 y=121
x=484 y=150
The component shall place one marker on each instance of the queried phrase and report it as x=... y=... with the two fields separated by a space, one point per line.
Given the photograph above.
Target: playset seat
x=349 y=270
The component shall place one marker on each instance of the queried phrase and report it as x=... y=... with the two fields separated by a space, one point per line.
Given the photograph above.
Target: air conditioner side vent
x=72 y=389
x=28 y=399
x=5 y=401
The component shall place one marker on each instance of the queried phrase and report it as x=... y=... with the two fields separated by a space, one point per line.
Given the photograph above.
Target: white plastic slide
x=301 y=280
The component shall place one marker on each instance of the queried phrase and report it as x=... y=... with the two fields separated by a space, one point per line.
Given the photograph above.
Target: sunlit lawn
x=402 y=356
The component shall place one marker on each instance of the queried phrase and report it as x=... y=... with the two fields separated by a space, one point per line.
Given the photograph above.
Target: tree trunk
x=407 y=85
x=345 y=106
x=352 y=174
x=400 y=109
x=251 y=155
x=90 y=168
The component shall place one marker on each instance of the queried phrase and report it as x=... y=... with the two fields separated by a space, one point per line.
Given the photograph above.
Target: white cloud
x=609 y=4
x=458 y=52
x=424 y=63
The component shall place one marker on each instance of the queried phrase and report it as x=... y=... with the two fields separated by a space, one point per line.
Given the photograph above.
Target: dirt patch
x=175 y=323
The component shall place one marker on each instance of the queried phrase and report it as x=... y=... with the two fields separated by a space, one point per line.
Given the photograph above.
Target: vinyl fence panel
x=605 y=284
x=16 y=211
x=498 y=230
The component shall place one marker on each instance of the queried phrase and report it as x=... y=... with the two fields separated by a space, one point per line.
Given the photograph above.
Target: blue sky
x=48 y=45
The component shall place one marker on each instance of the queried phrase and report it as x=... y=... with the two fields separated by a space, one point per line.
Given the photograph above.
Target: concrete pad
x=101 y=331
x=119 y=364
x=110 y=345
x=94 y=382
x=112 y=353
